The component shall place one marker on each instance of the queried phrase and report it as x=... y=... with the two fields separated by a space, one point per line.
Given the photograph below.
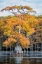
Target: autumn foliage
x=20 y=27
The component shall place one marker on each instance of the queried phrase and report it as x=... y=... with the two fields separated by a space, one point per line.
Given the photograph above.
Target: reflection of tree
x=18 y=60
x=26 y=61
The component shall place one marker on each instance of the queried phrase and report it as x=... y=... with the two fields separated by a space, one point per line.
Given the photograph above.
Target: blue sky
x=35 y=4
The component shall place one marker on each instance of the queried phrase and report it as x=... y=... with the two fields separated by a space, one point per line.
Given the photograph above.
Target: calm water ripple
x=19 y=60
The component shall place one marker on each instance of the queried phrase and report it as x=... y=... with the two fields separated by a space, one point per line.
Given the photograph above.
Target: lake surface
x=8 y=58
x=19 y=60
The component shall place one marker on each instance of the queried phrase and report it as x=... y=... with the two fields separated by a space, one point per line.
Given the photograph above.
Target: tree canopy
x=20 y=27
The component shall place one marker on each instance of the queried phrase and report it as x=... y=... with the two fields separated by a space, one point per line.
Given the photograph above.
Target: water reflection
x=19 y=60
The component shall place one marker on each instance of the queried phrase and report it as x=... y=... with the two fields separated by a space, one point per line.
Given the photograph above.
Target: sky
x=35 y=4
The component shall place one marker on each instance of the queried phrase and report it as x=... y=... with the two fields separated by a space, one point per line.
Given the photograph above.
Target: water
x=28 y=58
x=19 y=60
